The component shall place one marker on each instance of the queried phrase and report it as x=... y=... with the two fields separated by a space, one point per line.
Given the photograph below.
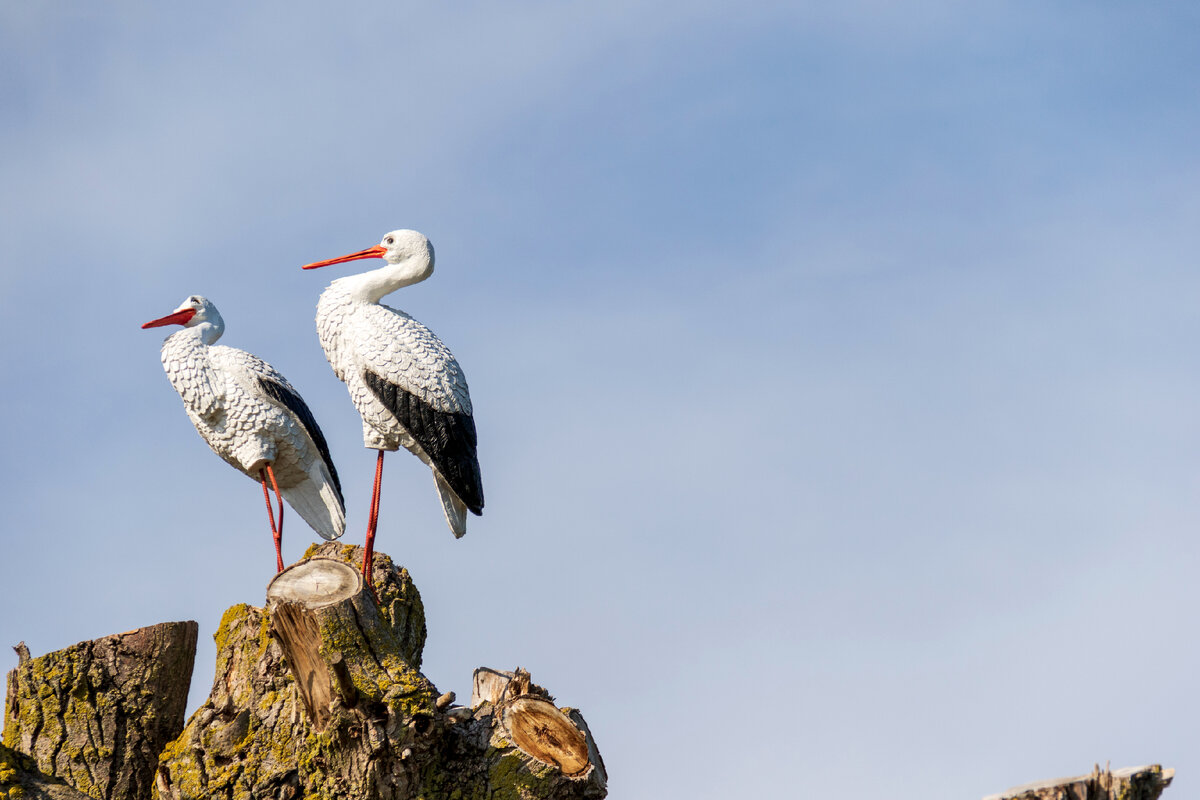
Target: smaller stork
x=252 y=418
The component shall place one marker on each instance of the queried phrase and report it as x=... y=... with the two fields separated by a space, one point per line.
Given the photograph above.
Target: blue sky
x=832 y=368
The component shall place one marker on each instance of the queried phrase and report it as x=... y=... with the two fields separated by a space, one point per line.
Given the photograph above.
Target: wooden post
x=98 y=713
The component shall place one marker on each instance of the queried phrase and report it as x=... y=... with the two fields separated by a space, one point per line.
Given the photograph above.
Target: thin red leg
x=372 y=521
x=279 y=530
x=276 y=534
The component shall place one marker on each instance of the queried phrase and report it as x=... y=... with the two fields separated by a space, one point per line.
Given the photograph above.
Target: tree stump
x=98 y=713
x=320 y=695
x=1131 y=783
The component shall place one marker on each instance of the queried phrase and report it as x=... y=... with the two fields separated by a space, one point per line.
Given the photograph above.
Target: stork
x=406 y=385
x=252 y=418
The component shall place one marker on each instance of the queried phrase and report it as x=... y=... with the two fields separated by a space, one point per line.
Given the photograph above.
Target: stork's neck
x=373 y=286
x=204 y=333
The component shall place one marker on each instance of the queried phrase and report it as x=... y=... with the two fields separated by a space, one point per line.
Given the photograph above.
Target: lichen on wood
x=97 y=714
x=375 y=729
x=20 y=779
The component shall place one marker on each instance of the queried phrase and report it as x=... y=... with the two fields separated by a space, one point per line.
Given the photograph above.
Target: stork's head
x=196 y=310
x=404 y=244
x=398 y=247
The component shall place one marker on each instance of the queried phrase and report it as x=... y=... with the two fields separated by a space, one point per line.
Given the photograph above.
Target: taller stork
x=406 y=385
x=253 y=419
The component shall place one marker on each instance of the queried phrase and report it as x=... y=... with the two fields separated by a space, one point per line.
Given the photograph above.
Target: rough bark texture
x=97 y=714
x=320 y=695
x=20 y=779
x=1131 y=783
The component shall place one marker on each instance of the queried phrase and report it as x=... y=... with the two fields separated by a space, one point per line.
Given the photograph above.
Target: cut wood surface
x=1131 y=783
x=315 y=583
x=535 y=732
x=537 y=727
x=320 y=696
x=97 y=714
x=533 y=723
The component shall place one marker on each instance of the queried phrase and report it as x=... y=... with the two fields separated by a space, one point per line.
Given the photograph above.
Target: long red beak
x=174 y=318
x=377 y=251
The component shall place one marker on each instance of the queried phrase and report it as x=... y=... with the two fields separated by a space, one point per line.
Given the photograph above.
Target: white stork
x=406 y=385
x=252 y=418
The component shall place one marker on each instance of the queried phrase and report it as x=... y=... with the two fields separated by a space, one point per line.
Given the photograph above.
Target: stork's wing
x=284 y=394
x=276 y=387
x=448 y=438
x=406 y=354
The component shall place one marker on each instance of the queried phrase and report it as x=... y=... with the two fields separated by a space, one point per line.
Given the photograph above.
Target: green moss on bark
x=253 y=739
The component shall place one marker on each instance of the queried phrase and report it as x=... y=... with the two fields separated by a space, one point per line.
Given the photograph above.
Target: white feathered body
x=223 y=392
x=365 y=340
x=358 y=336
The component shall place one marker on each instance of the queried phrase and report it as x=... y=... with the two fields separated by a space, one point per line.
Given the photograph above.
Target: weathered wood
x=22 y=652
x=496 y=686
x=320 y=696
x=514 y=742
x=1131 y=783
x=540 y=730
x=301 y=600
x=279 y=721
x=98 y=713
x=488 y=686
x=20 y=779
x=323 y=603
x=535 y=731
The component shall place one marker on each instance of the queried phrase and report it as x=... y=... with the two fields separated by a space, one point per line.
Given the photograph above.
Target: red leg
x=279 y=530
x=276 y=534
x=372 y=521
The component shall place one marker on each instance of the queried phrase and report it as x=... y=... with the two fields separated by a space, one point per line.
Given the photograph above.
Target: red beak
x=174 y=318
x=377 y=251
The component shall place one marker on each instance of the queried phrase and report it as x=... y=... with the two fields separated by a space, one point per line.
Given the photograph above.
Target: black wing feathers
x=287 y=397
x=448 y=439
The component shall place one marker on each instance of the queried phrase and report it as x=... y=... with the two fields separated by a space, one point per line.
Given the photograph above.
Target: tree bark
x=20 y=779
x=320 y=696
x=98 y=713
x=1131 y=783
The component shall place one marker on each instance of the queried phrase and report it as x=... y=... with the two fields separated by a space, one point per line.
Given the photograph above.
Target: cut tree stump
x=98 y=713
x=1131 y=783
x=316 y=600
x=319 y=695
